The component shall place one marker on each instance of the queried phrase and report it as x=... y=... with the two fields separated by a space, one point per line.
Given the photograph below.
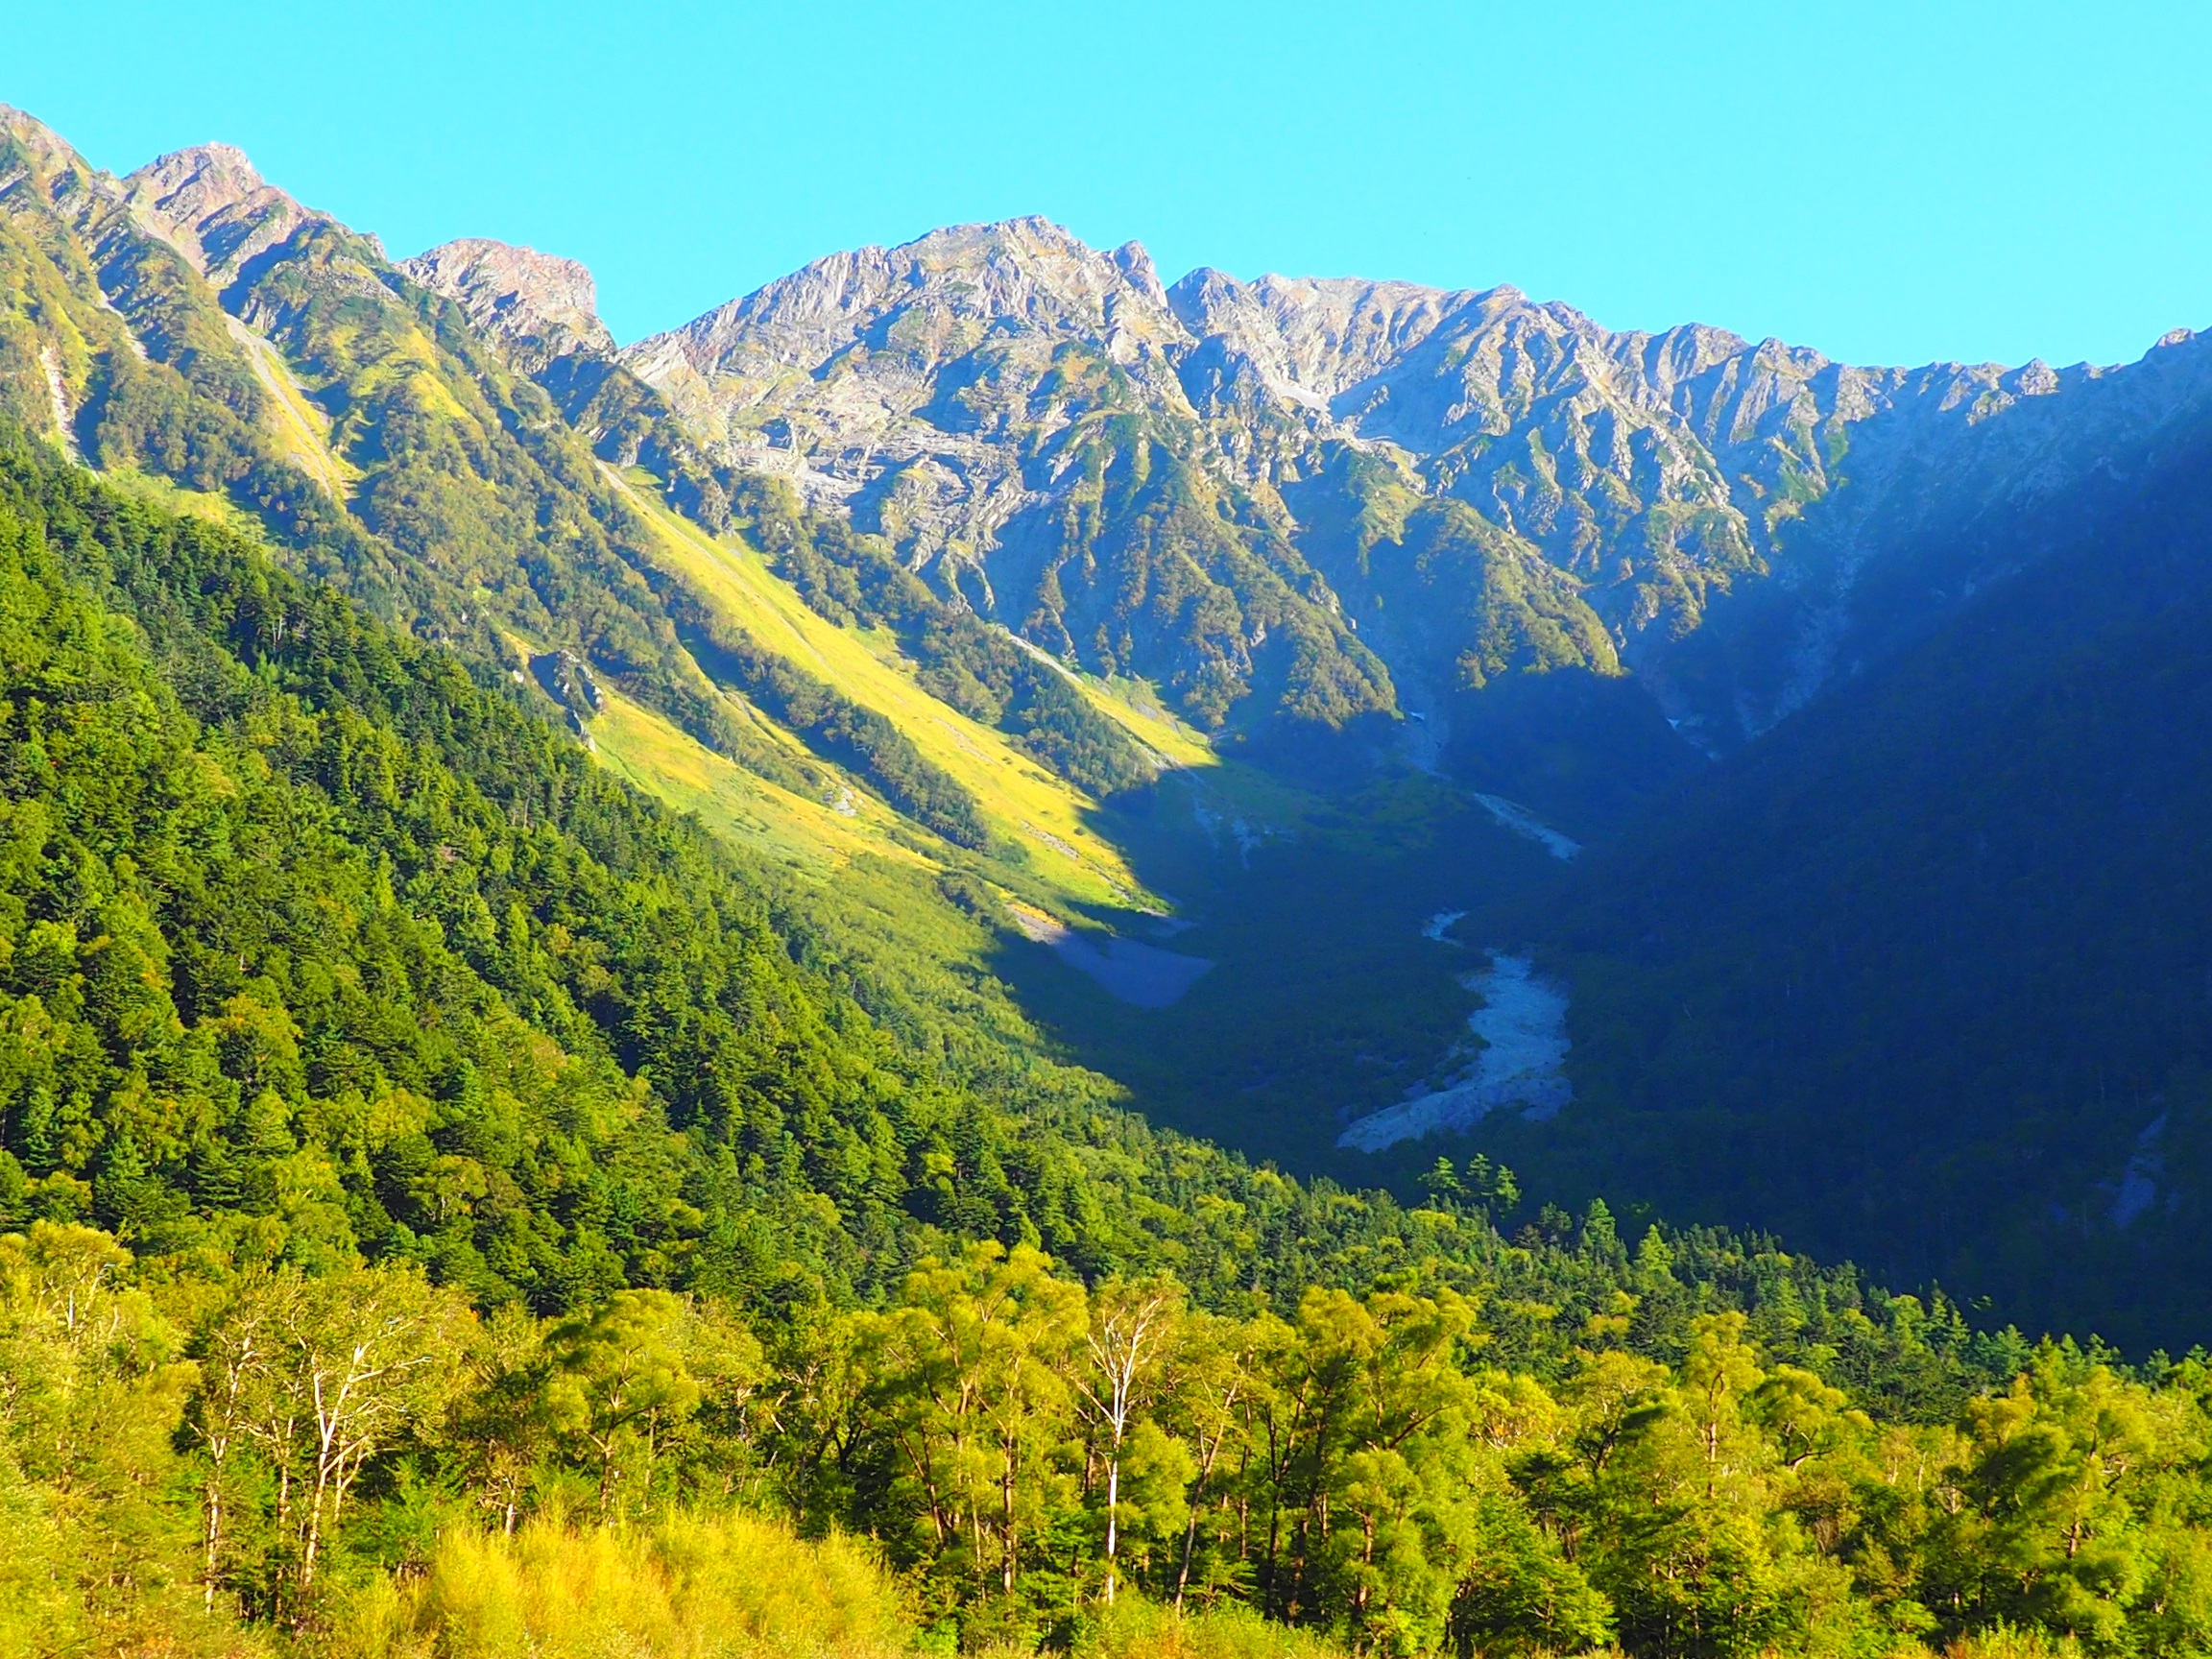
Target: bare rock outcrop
x=209 y=204
x=540 y=305
x=921 y=380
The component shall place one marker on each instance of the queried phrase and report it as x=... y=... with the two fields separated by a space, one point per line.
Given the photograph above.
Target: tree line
x=254 y=1441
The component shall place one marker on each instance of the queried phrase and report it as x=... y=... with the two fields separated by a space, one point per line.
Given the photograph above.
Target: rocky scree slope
x=1002 y=405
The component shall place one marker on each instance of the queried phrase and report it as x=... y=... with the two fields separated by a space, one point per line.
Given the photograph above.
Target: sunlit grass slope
x=1226 y=787
x=690 y=1588
x=1029 y=807
x=652 y=754
x=302 y=430
x=158 y=492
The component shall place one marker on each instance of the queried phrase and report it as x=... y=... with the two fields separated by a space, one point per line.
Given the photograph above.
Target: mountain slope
x=476 y=493
x=395 y=438
x=1001 y=403
x=1925 y=973
x=1015 y=800
x=194 y=323
x=308 y=944
x=1466 y=486
x=301 y=925
x=113 y=345
x=512 y=1177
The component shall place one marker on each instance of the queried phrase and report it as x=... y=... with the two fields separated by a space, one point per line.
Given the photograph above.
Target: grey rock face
x=539 y=306
x=209 y=204
x=1003 y=403
x=919 y=370
x=1666 y=479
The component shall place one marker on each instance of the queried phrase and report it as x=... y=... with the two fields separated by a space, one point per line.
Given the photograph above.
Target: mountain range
x=955 y=394
x=1221 y=628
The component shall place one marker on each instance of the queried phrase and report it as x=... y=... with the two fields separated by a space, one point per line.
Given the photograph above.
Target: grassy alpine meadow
x=749 y=810
x=1026 y=807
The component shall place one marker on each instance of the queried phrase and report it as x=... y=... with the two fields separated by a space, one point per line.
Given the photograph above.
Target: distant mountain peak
x=540 y=305
x=41 y=140
x=211 y=204
x=1310 y=338
x=1134 y=261
x=1028 y=273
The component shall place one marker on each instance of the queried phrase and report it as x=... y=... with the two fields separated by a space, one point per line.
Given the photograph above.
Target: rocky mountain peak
x=53 y=153
x=211 y=204
x=928 y=300
x=1310 y=339
x=540 y=305
x=1135 y=262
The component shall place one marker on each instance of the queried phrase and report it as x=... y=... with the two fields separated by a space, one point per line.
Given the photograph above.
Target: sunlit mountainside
x=989 y=954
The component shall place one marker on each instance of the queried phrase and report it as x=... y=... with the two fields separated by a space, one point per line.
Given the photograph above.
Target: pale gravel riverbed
x=1521 y=1066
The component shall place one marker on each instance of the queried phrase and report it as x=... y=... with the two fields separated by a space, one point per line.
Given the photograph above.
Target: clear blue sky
x=1889 y=182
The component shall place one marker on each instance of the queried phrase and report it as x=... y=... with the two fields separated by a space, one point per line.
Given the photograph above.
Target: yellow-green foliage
x=155 y=490
x=300 y=429
x=1030 y=807
x=95 y=1554
x=729 y=1586
x=1388 y=1426
x=746 y=808
x=2002 y=1642
x=694 y=1587
x=1135 y=1628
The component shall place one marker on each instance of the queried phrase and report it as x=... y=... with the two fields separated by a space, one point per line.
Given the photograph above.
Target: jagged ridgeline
x=1319 y=499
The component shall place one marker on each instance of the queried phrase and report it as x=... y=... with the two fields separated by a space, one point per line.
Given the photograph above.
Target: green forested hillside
x=453 y=1202
x=1926 y=976
x=528 y=885
x=426 y=1157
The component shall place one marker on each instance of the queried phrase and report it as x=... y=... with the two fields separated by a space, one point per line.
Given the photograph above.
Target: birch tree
x=353 y=1361
x=621 y=1382
x=376 y=1353
x=1131 y=1325
x=241 y=1352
